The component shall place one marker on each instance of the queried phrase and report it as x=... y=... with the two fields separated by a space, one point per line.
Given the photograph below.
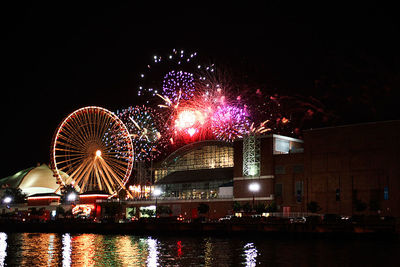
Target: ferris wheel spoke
x=77 y=171
x=109 y=175
x=73 y=132
x=91 y=124
x=117 y=167
x=118 y=164
x=113 y=175
x=106 y=177
x=71 y=160
x=122 y=186
x=69 y=166
x=67 y=142
x=104 y=125
x=82 y=182
x=81 y=124
x=98 y=176
x=70 y=152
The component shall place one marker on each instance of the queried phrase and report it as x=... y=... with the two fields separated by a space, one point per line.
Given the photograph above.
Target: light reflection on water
x=250 y=252
x=3 y=248
x=49 y=249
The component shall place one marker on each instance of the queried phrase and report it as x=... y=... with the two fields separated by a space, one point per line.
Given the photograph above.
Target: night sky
x=59 y=57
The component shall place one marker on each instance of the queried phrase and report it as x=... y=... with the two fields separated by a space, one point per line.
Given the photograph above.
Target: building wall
x=339 y=166
x=188 y=209
x=289 y=169
x=359 y=161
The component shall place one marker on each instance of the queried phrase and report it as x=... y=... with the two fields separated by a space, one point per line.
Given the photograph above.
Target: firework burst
x=230 y=122
x=174 y=75
x=144 y=130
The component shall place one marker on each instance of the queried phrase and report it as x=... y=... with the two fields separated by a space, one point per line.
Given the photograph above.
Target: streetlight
x=71 y=197
x=7 y=200
x=156 y=193
x=254 y=187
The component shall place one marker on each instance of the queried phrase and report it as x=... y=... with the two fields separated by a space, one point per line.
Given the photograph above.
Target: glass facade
x=205 y=157
x=194 y=190
x=197 y=156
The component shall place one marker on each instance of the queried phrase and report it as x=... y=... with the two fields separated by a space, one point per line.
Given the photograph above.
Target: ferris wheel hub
x=98 y=153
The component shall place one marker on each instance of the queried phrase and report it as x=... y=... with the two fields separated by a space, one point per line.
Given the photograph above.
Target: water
x=47 y=249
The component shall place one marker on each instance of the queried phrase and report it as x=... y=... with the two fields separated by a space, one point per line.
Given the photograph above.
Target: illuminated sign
x=84 y=209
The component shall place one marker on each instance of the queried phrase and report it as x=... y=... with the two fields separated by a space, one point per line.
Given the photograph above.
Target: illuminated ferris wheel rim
x=85 y=109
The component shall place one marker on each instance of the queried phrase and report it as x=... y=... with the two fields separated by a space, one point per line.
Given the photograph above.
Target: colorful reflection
x=38 y=249
x=66 y=250
x=35 y=249
x=3 y=248
x=250 y=252
x=152 y=258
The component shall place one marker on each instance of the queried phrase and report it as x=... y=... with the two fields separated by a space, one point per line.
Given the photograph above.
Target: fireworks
x=174 y=76
x=200 y=102
x=178 y=85
x=144 y=131
x=229 y=122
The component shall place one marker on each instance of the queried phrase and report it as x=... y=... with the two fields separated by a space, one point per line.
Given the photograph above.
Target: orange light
x=44 y=197
x=94 y=195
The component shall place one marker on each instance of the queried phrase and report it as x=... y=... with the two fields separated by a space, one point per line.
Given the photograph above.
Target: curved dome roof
x=32 y=181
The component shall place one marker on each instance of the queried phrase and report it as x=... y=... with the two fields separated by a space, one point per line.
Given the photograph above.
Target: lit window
x=282 y=146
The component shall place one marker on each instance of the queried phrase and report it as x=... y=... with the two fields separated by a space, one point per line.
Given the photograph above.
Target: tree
x=313 y=207
x=236 y=207
x=203 y=208
x=15 y=194
x=271 y=207
x=246 y=207
x=260 y=208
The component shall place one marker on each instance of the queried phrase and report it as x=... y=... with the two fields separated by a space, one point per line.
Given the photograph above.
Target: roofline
x=281 y=137
x=287 y=138
x=352 y=125
x=190 y=146
x=20 y=181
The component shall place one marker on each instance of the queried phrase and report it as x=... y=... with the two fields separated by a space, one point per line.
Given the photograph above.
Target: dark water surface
x=44 y=249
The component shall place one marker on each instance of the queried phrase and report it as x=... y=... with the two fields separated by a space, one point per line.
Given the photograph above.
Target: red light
x=179 y=245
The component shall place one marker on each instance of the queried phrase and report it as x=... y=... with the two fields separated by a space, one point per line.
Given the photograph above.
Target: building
x=34 y=180
x=347 y=170
x=352 y=169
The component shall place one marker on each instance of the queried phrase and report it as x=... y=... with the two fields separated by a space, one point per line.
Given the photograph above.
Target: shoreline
x=210 y=229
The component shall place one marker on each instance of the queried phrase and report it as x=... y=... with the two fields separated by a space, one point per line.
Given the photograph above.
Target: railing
x=164 y=199
x=293 y=214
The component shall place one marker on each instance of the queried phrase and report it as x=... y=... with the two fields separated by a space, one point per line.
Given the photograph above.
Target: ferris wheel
x=93 y=148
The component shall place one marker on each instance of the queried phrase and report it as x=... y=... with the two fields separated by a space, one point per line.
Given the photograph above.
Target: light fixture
x=254 y=187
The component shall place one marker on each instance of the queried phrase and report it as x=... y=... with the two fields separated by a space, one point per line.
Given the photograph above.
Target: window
x=206 y=157
x=279 y=169
x=299 y=191
x=337 y=194
x=386 y=193
x=298 y=168
x=282 y=146
x=278 y=190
